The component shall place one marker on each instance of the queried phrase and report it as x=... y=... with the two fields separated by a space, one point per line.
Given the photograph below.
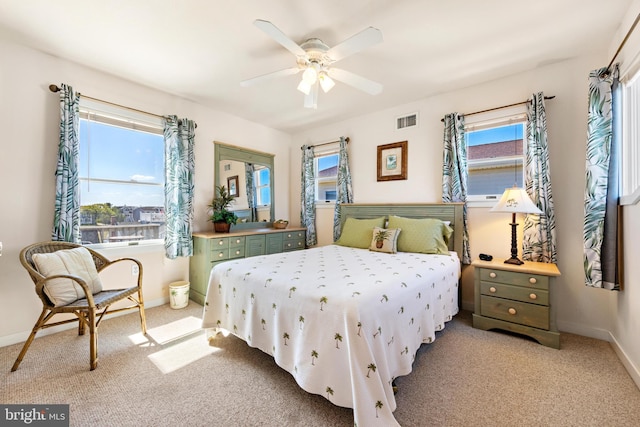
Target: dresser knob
x=492 y=275
x=238 y=253
x=221 y=242
x=492 y=290
x=220 y=255
x=512 y=311
x=533 y=296
x=533 y=280
x=238 y=241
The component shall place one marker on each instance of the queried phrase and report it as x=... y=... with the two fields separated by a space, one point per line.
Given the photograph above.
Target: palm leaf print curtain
x=454 y=172
x=343 y=186
x=601 y=197
x=249 y=170
x=179 y=136
x=66 y=221
x=539 y=231
x=308 y=195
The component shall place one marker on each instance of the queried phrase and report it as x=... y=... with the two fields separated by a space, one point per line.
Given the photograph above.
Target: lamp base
x=514 y=261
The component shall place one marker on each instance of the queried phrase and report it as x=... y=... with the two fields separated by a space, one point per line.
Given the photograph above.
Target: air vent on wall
x=408 y=121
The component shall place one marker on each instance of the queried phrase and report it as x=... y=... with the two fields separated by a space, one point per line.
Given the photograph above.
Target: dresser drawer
x=219 y=254
x=533 y=315
x=235 y=242
x=519 y=293
x=515 y=278
x=293 y=240
x=219 y=244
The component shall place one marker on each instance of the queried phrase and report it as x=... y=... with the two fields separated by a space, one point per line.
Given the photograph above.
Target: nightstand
x=516 y=298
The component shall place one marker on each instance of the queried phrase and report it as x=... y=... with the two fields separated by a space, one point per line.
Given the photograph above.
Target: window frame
x=630 y=151
x=331 y=150
x=123 y=117
x=493 y=119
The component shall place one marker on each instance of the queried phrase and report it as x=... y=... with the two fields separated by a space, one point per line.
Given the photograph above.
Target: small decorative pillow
x=75 y=262
x=385 y=240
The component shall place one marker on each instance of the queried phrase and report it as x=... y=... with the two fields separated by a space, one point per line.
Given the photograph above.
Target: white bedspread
x=344 y=322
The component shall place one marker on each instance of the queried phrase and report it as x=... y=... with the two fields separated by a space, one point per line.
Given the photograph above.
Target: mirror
x=249 y=176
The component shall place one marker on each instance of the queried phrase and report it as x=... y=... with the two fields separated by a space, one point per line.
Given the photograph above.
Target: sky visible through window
x=499 y=134
x=327 y=162
x=113 y=153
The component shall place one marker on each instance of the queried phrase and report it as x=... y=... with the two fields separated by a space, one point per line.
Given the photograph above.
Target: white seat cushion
x=75 y=262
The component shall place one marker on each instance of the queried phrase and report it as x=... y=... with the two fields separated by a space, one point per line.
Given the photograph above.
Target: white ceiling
x=202 y=49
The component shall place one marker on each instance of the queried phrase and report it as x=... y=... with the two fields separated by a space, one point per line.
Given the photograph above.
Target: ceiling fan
x=315 y=59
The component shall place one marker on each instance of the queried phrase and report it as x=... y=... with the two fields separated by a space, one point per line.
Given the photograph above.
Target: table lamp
x=515 y=200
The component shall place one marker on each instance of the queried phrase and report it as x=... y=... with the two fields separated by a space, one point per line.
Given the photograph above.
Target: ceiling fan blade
x=269 y=76
x=311 y=99
x=279 y=36
x=362 y=40
x=356 y=81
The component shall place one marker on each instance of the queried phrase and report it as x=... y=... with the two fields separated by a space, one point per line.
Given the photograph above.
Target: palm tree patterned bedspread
x=343 y=321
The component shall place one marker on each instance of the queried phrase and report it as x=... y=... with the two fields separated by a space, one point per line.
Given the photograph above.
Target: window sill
x=321 y=204
x=481 y=203
x=631 y=199
x=122 y=249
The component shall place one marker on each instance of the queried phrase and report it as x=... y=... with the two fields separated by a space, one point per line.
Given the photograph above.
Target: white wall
x=581 y=310
x=29 y=115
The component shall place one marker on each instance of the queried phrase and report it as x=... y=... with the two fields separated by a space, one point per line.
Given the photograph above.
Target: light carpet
x=173 y=377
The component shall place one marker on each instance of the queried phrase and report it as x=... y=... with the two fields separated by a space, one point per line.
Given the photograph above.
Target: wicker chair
x=89 y=310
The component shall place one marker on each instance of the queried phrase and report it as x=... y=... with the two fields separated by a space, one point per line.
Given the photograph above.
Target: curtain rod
x=324 y=143
x=54 y=88
x=500 y=108
x=624 y=40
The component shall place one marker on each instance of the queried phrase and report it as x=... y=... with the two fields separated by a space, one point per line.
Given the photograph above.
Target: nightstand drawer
x=536 y=316
x=519 y=293
x=537 y=281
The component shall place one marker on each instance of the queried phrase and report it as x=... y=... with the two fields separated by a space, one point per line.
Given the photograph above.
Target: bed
x=345 y=320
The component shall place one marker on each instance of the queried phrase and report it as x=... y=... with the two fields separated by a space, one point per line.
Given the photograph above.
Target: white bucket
x=179 y=294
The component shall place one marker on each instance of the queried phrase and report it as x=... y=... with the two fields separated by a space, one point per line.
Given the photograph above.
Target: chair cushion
x=76 y=262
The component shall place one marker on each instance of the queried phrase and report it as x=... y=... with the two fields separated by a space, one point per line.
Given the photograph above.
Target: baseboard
x=585 y=331
x=22 y=336
x=634 y=371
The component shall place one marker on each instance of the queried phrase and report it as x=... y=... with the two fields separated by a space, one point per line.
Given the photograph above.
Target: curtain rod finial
x=54 y=88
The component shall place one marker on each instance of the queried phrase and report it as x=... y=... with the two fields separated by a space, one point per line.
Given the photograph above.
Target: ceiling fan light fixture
x=310 y=75
x=326 y=82
x=304 y=87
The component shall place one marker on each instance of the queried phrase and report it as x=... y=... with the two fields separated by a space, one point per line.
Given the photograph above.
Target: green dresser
x=516 y=298
x=210 y=249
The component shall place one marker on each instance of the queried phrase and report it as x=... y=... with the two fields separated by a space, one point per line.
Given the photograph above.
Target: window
x=262 y=182
x=121 y=173
x=495 y=156
x=630 y=141
x=326 y=171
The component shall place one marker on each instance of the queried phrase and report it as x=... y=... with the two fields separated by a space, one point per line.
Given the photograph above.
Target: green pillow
x=423 y=235
x=357 y=233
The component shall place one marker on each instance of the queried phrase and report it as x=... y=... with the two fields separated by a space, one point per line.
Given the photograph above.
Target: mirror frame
x=224 y=151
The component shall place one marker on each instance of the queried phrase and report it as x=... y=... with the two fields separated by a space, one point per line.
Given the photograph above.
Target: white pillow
x=76 y=262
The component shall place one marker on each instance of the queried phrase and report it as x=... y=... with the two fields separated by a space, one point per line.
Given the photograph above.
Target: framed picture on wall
x=392 y=161
x=232 y=184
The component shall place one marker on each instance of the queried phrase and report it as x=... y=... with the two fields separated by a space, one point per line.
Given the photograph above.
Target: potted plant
x=221 y=216
x=380 y=236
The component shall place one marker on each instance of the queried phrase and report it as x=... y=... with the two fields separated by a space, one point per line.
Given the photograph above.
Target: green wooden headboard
x=451 y=212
